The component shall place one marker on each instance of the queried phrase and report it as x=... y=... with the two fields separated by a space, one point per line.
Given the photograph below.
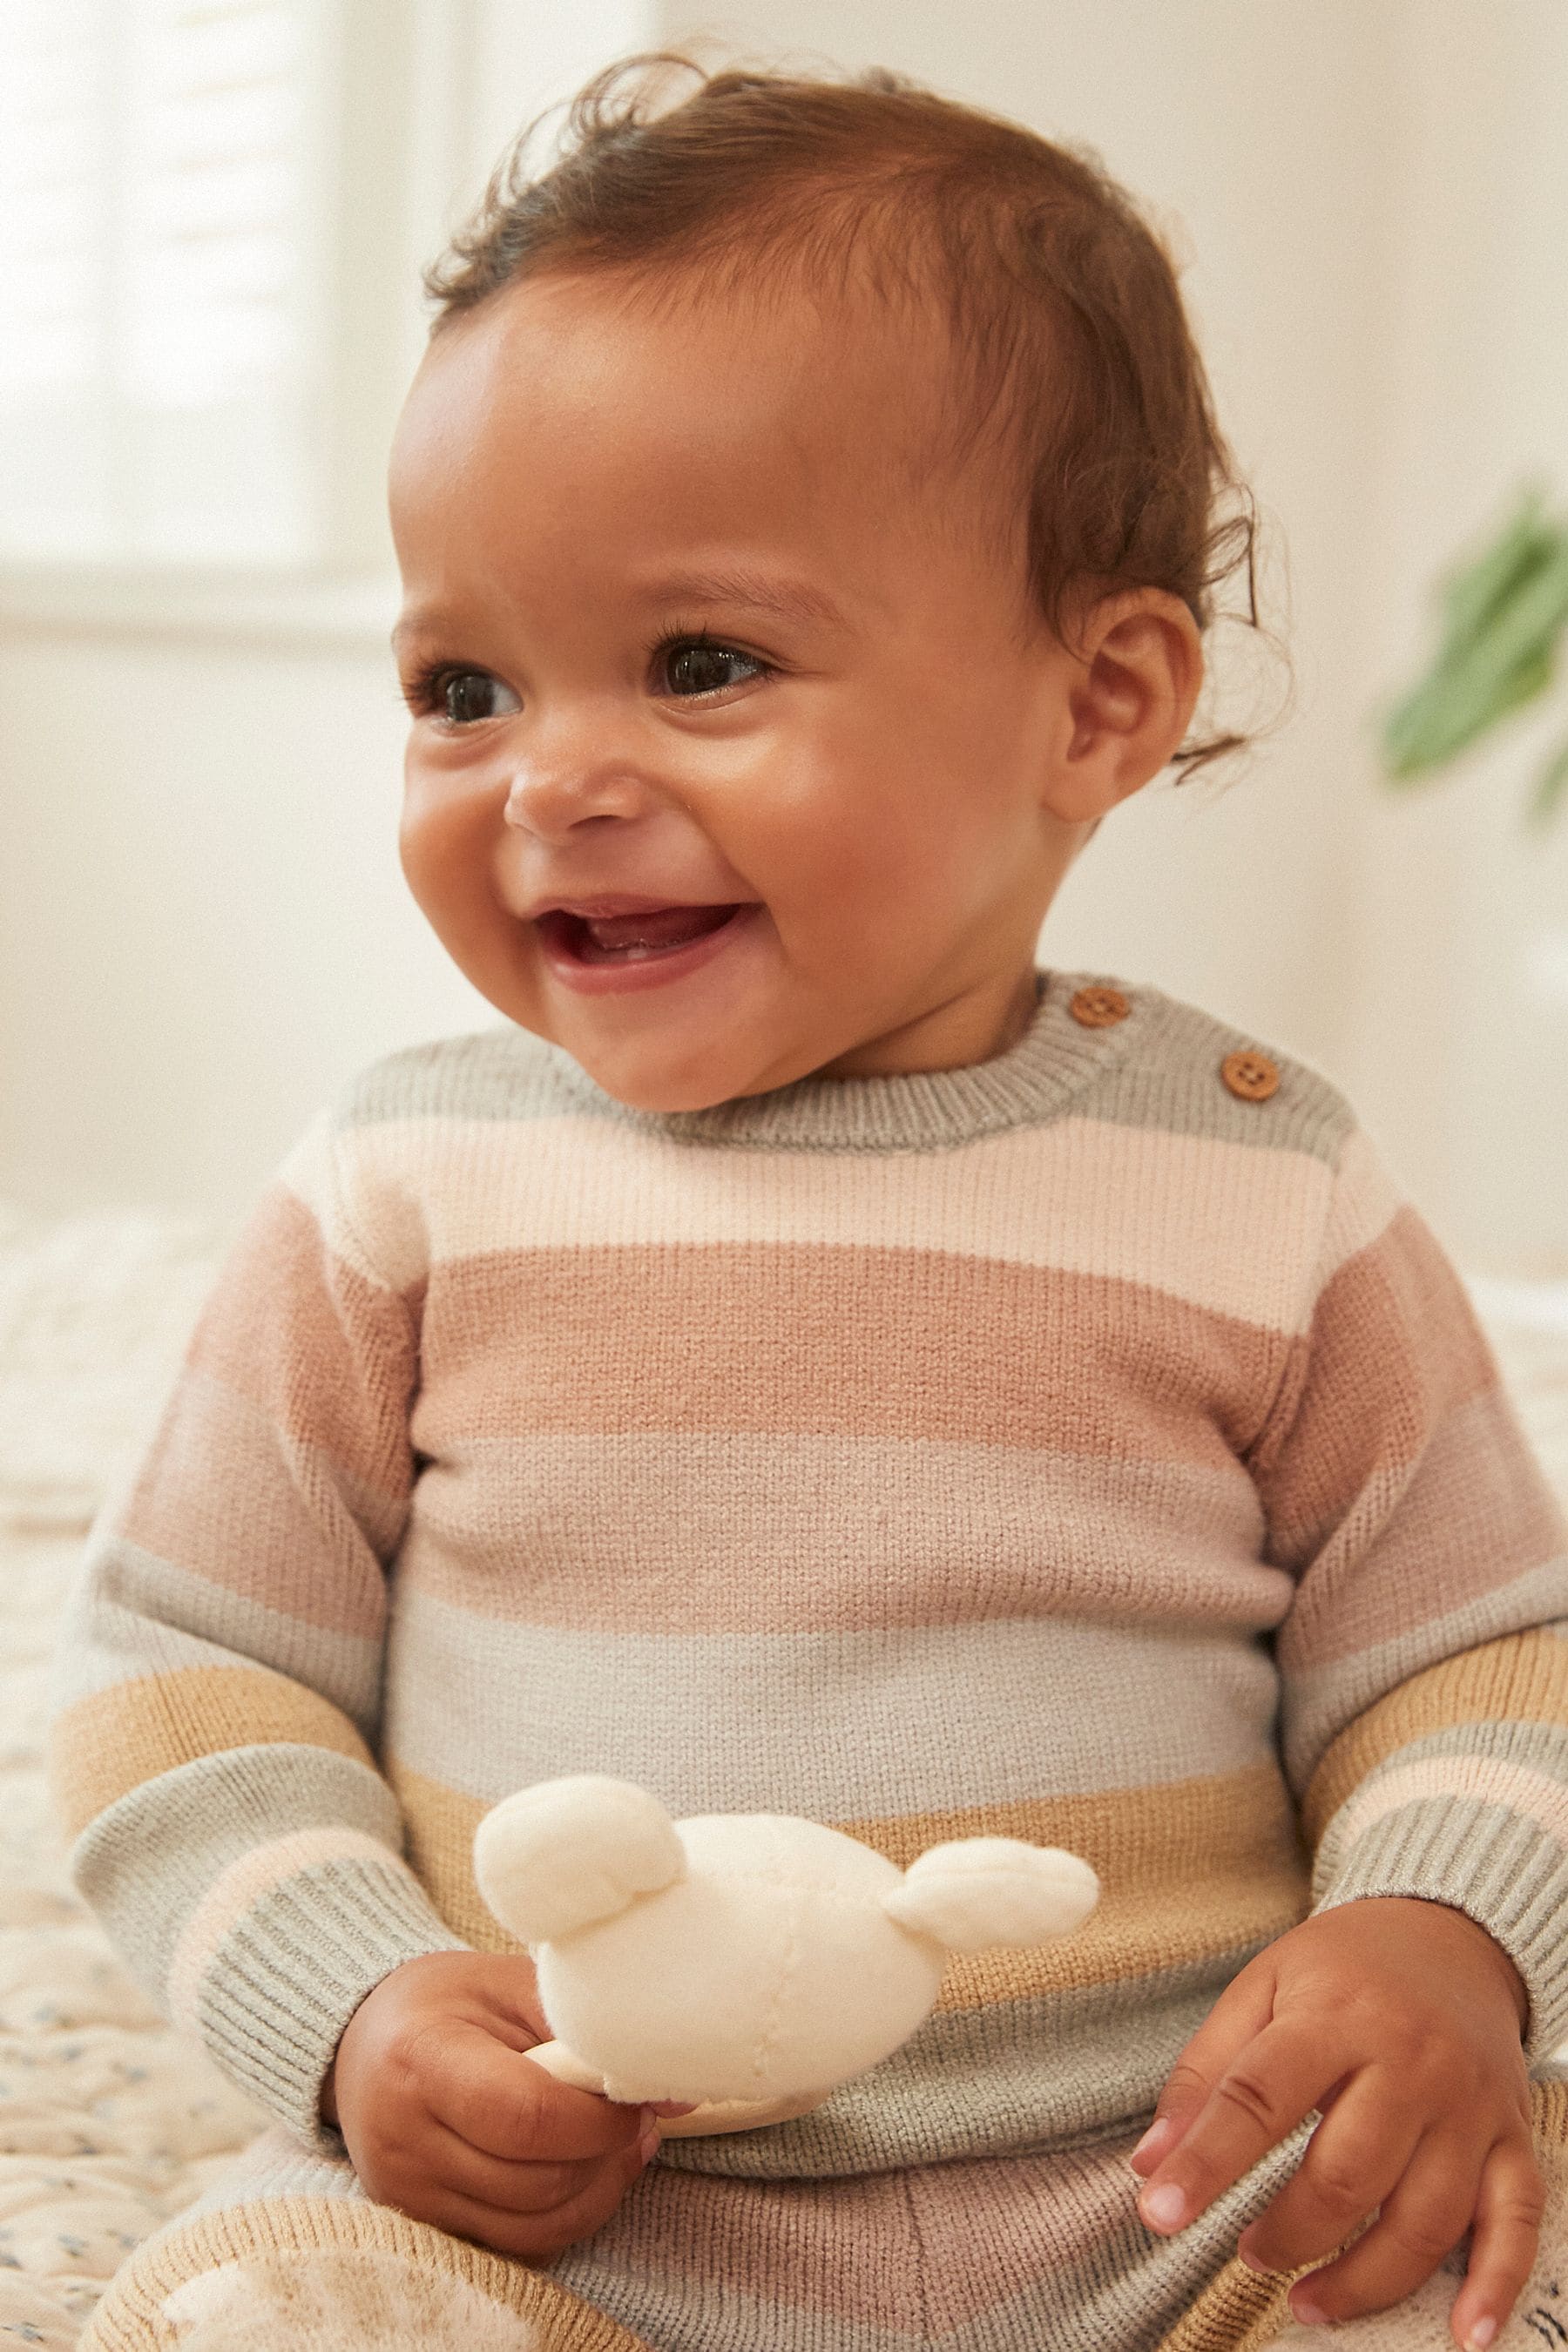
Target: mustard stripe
x=1186 y=1869
x=130 y=2315
x=1522 y=1678
x=111 y=1743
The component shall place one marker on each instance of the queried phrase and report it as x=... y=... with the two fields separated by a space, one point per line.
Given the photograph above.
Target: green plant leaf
x=1473 y=590
x=1451 y=711
x=1550 y=784
x=1508 y=658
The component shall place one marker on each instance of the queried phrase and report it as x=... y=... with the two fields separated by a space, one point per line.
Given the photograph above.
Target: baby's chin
x=641 y=1084
x=668 y=1074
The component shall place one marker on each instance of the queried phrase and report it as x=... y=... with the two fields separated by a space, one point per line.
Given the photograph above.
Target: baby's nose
x=549 y=795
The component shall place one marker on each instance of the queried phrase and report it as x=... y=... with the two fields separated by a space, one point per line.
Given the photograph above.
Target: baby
x=806 y=1358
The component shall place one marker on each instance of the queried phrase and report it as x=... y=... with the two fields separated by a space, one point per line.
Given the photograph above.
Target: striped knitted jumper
x=1065 y=1447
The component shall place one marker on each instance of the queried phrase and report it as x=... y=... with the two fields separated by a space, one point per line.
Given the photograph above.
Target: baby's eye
x=694 y=667
x=462 y=696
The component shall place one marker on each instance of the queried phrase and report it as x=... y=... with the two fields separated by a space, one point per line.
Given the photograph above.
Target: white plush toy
x=745 y=1961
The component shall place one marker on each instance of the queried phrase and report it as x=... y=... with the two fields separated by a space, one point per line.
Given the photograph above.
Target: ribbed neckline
x=912 y=1110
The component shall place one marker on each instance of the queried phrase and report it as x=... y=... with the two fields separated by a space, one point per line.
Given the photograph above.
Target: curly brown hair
x=1073 y=348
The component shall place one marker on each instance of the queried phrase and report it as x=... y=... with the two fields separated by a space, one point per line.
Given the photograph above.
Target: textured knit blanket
x=109 y=2121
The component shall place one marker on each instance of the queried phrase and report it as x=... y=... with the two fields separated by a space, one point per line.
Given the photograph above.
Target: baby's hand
x=445 y=2117
x=1401 y=2021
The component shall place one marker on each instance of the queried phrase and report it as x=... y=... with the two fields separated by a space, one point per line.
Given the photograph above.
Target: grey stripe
x=1318 y=1702
x=1013 y=2075
x=1061 y=2076
x=1159 y=1068
x=134 y=1614
x=147 y=1860
x=835 y=1725
x=290 y=1973
x=1540 y=1747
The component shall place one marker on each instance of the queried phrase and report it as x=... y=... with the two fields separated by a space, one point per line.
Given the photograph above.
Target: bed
x=108 y=2120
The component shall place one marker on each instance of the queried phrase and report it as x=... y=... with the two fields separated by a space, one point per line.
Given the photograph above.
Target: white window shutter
x=181 y=235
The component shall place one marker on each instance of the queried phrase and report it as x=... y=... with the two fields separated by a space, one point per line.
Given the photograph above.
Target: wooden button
x=1251 y=1076
x=1099 y=1008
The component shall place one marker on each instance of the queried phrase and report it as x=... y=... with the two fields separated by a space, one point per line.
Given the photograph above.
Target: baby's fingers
x=1242 y=2011
x=537 y=2236
x=500 y=2101
x=1422 y=2219
x=1355 y=2159
x=1264 y=2093
x=1503 y=2243
x=532 y=2186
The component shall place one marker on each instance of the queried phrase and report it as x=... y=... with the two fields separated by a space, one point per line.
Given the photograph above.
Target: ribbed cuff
x=292 y=1970
x=1500 y=1868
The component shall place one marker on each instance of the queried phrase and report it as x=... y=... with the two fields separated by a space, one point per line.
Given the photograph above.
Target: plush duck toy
x=744 y=1962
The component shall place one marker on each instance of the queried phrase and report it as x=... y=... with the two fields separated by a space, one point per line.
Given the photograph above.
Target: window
x=203 y=264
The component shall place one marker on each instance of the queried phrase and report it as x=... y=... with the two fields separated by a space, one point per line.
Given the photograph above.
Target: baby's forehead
x=842 y=373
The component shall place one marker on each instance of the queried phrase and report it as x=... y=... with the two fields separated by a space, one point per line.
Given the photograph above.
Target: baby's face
x=698 y=628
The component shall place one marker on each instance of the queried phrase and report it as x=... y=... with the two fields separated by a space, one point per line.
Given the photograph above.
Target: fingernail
x=1154 y=2138
x=648 y=2143
x=1250 y=2261
x=1164 y=2207
x=1481 y=2336
x=1307 y=2312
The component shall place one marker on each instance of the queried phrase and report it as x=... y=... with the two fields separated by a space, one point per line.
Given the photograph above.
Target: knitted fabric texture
x=1035 y=2253
x=1060 y=1447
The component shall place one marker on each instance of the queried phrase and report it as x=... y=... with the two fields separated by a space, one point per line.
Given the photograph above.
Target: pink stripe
x=242 y=1884
x=1417 y=1545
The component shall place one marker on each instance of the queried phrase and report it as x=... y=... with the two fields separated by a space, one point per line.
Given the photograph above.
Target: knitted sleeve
x=1424 y=1660
x=217 y=1685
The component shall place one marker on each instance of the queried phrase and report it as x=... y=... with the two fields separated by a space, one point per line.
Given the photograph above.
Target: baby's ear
x=565 y=1852
x=974 y=1892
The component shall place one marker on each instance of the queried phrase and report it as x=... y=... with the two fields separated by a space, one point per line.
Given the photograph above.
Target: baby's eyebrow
x=408 y=631
x=760 y=592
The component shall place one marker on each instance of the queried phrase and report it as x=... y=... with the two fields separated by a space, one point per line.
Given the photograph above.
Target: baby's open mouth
x=630 y=938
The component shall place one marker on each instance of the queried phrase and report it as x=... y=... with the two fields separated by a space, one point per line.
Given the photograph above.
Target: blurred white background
x=214 y=214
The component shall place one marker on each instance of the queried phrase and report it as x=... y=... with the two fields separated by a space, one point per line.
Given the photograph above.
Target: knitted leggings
x=1035 y=2253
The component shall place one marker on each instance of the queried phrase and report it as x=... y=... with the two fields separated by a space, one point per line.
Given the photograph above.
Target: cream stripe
x=1223 y=1225
x=242 y=1884
x=320 y=1168
x=1492 y=1781
x=1365 y=1202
